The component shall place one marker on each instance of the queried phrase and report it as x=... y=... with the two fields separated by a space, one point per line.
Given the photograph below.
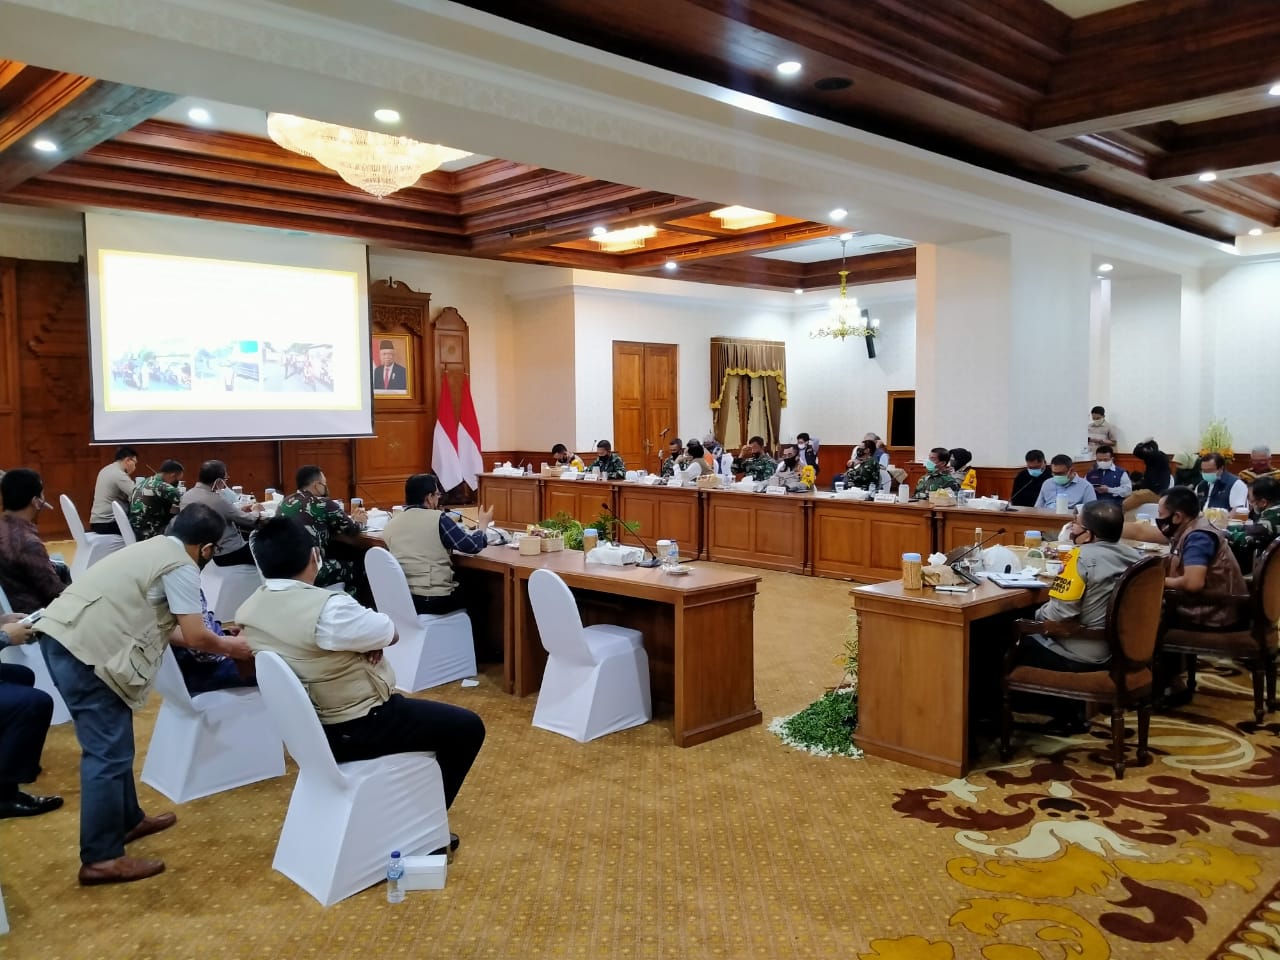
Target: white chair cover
x=726 y=464
x=432 y=650
x=90 y=547
x=225 y=588
x=597 y=679
x=29 y=656
x=345 y=818
x=122 y=521
x=4 y=918
x=1148 y=511
x=211 y=742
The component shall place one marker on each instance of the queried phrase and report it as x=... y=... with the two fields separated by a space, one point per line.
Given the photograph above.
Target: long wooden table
x=914 y=653
x=698 y=629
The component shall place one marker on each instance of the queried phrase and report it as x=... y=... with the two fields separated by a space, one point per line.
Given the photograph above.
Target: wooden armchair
x=1131 y=630
x=1253 y=640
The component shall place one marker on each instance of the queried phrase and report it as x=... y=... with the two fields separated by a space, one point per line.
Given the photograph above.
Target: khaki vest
x=105 y=620
x=413 y=538
x=1223 y=576
x=342 y=685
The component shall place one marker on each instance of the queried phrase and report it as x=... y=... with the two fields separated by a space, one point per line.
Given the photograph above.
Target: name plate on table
x=776 y=491
x=589 y=476
x=886 y=498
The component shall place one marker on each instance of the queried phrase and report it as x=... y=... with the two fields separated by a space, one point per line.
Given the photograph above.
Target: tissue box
x=708 y=480
x=425 y=873
x=987 y=503
x=551 y=544
x=552 y=471
x=614 y=555
x=941 y=575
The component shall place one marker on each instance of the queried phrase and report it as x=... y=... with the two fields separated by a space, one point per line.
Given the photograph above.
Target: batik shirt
x=321 y=515
x=152 y=506
x=611 y=467
x=759 y=467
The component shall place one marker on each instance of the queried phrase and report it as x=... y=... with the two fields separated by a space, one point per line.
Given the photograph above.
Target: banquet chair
x=432 y=650
x=122 y=521
x=344 y=819
x=29 y=656
x=90 y=547
x=1253 y=640
x=225 y=588
x=1131 y=629
x=597 y=678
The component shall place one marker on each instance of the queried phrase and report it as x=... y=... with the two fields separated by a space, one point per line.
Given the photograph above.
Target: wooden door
x=645 y=401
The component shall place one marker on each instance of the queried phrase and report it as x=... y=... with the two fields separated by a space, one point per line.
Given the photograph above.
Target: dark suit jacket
x=398 y=378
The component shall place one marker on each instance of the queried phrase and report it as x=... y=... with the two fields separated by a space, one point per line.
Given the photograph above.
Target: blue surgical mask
x=1035 y=471
x=1063 y=480
x=1209 y=478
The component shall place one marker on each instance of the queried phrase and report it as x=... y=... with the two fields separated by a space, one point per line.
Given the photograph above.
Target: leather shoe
x=120 y=870
x=25 y=805
x=450 y=849
x=150 y=825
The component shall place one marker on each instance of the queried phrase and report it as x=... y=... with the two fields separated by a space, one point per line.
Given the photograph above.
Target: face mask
x=1209 y=478
x=1075 y=537
x=930 y=466
x=1035 y=471
x=229 y=495
x=1165 y=525
x=1105 y=465
x=1062 y=480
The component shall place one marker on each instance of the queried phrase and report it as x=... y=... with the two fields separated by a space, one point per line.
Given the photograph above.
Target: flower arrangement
x=1216 y=439
x=808 y=475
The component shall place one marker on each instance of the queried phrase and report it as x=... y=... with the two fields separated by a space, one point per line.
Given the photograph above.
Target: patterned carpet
x=740 y=848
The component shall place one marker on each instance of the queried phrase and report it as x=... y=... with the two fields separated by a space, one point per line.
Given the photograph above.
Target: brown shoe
x=120 y=870
x=150 y=825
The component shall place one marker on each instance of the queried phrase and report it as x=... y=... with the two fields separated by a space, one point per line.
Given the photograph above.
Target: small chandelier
x=377 y=163
x=619 y=241
x=846 y=319
x=740 y=218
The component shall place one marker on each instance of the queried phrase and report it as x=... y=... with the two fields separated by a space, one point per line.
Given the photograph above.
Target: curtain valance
x=733 y=356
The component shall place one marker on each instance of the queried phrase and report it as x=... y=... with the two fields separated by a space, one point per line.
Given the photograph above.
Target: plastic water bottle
x=673 y=554
x=395 y=870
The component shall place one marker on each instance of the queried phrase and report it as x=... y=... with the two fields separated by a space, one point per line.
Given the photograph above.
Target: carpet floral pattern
x=1055 y=858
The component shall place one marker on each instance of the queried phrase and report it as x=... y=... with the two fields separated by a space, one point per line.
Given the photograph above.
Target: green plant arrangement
x=1216 y=439
x=567 y=527
x=825 y=727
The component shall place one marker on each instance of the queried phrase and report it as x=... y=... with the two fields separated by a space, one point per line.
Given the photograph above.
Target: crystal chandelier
x=377 y=163
x=846 y=319
x=619 y=241
x=740 y=218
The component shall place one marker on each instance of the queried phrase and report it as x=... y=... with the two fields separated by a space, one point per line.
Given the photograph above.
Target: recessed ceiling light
x=839 y=213
x=799 y=290
x=199 y=115
x=670 y=265
x=1102 y=276
x=845 y=236
x=46 y=146
x=1275 y=90
x=599 y=231
x=1106 y=267
x=386 y=115
x=1208 y=176
x=789 y=68
x=1255 y=232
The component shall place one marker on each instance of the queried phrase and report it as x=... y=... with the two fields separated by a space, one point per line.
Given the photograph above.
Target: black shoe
x=25 y=805
x=450 y=849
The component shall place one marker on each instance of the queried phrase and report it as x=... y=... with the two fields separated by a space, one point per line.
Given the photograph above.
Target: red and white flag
x=444 y=445
x=469 y=458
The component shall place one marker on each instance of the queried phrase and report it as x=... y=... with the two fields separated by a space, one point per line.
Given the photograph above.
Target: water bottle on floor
x=395 y=870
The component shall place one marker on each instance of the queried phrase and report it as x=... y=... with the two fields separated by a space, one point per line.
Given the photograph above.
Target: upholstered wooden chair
x=1131 y=630
x=1253 y=640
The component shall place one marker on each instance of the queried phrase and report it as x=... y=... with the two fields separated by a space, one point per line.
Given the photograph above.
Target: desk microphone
x=1030 y=482
x=977 y=546
x=622 y=526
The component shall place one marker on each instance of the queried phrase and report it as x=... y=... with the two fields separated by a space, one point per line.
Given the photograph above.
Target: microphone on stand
x=955 y=561
x=1030 y=482
x=618 y=520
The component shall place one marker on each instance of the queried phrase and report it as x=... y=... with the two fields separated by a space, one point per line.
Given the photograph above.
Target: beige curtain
x=748 y=389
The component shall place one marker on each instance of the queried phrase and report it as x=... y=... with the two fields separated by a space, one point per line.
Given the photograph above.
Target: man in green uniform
x=155 y=500
x=325 y=519
x=675 y=449
x=937 y=475
x=609 y=463
x=1250 y=539
x=753 y=461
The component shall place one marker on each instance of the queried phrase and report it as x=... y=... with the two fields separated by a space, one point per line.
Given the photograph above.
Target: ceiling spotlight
x=599 y=231
x=839 y=213
x=1255 y=232
x=1208 y=177
x=1275 y=90
x=669 y=265
x=46 y=146
x=199 y=115
x=845 y=237
x=789 y=68
x=386 y=115
x=1106 y=267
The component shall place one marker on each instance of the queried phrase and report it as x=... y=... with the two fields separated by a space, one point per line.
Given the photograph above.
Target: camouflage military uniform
x=611 y=467
x=669 y=467
x=323 y=518
x=759 y=467
x=152 y=506
x=865 y=473
x=936 y=481
x=1256 y=535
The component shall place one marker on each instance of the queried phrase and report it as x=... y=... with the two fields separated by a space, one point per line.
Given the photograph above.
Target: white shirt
x=1238 y=496
x=344 y=624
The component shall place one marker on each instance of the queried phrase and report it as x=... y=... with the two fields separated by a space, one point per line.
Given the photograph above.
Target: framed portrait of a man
x=393 y=373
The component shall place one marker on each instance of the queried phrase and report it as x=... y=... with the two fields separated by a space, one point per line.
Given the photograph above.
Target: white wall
x=1242 y=314
x=32 y=233
x=1144 y=385
x=544 y=410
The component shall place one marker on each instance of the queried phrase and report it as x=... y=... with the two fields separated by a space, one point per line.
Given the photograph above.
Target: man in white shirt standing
x=114 y=483
x=335 y=645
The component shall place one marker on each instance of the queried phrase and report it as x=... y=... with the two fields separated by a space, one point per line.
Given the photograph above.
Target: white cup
x=1053 y=567
x=904 y=493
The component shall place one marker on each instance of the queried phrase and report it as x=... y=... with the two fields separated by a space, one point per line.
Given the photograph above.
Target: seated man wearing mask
x=1064 y=483
x=335 y=647
x=563 y=458
x=937 y=474
x=1109 y=482
x=610 y=465
x=1078 y=602
x=867 y=472
x=807 y=448
x=212 y=491
x=325 y=519
x=27 y=575
x=1250 y=539
x=1259 y=465
x=1219 y=488
x=675 y=450
x=155 y=500
x=694 y=461
x=421 y=537
x=1027 y=482
x=753 y=461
